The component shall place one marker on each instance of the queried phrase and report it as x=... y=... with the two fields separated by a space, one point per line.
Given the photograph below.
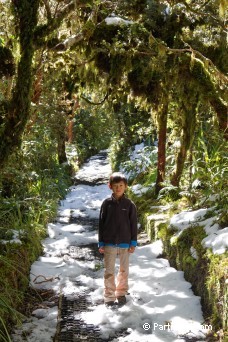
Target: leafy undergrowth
x=28 y=201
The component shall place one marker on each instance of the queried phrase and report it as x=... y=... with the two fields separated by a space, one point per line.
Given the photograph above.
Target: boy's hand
x=131 y=249
x=101 y=250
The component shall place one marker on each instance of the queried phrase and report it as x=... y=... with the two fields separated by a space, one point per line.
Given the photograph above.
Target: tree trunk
x=181 y=156
x=222 y=115
x=188 y=126
x=18 y=109
x=70 y=131
x=162 y=130
x=62 y=150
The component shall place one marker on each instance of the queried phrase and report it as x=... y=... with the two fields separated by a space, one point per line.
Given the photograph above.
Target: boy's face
x=118 y=189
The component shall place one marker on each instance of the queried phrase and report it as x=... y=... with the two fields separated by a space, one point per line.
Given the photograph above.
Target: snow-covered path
x=160 y=306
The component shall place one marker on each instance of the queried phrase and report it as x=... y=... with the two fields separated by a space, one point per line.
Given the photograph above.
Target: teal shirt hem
x=120 y=245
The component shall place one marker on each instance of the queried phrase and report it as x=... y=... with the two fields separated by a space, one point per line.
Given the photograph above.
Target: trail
x=160 y=305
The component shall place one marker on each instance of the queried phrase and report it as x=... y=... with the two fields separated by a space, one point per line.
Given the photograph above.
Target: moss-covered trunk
x=162 y=131
x=17 y=111
x=189 y=108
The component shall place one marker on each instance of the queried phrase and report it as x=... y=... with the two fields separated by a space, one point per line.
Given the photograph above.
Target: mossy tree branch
x=42 y=31
x=211 y=93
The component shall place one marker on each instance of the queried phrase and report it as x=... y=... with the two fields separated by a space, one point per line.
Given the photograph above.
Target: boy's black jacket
x=117 y=221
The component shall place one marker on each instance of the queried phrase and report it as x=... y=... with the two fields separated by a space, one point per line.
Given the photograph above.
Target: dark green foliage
x=104 y=34
x=132 y=125
x=93 y=130
x=171 y=193
x=102 y=62
x=52 y=42
x=210 y=162
x=7 y=65
x=132 y=8
x=143 y=79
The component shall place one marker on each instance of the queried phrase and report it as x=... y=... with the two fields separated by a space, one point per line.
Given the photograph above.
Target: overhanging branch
x=207 y=62
x=85 y=33
x=52 y=24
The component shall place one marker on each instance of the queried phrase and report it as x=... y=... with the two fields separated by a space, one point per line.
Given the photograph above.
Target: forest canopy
x=169 y=58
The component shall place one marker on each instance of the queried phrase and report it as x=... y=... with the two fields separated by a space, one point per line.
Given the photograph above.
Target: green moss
x=167 y=234
x=217 y=288
x=7 y=65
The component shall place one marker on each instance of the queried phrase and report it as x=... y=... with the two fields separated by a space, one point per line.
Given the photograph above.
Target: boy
x=117 y=236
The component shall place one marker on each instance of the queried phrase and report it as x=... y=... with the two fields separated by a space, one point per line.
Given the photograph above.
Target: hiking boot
x=121 y=300
x=110 y=304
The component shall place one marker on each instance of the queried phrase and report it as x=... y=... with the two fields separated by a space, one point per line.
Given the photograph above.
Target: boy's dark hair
x=117 y=177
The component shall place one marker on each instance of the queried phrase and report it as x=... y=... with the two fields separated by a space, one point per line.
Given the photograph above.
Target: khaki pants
x=113 y=289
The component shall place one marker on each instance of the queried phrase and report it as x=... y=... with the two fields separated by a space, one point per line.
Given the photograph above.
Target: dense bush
x=132 y=125
x=30 y=188
x=93 y=130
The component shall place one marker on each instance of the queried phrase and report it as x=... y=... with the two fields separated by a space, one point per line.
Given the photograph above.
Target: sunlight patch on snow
x=183 y=219
x=217 y=241
x=73 y=228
